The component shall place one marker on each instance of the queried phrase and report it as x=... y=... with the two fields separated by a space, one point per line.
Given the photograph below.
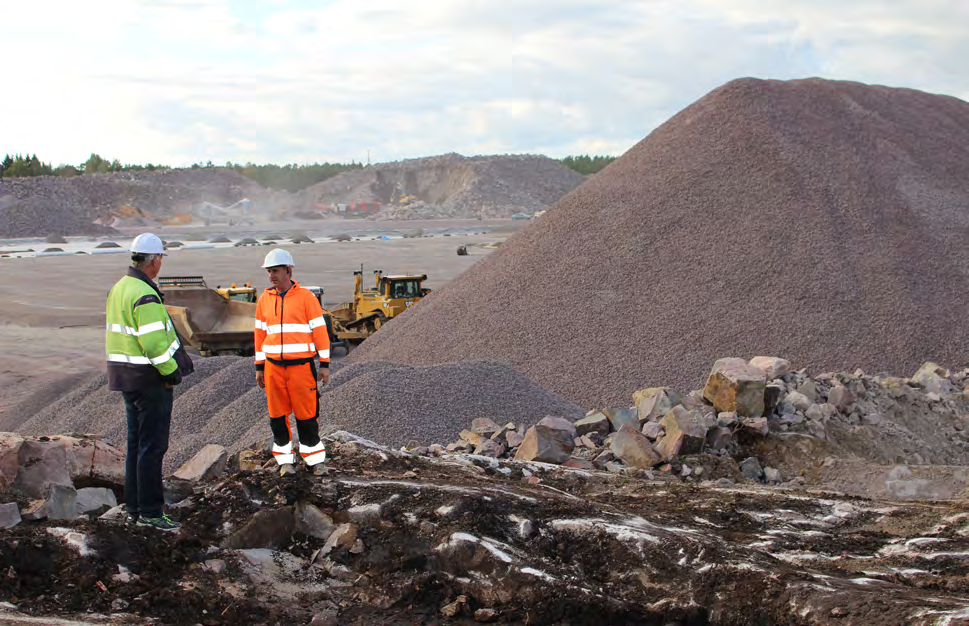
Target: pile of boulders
x=65 y=477
x=58 y=478
x=741 y=401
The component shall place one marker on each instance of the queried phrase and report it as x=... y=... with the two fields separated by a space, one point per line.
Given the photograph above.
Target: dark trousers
x=149 y=421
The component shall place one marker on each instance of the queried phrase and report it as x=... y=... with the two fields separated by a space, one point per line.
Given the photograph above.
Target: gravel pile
x=44 y=205
x=825 y=222
x=391 y=404
x=452 y=185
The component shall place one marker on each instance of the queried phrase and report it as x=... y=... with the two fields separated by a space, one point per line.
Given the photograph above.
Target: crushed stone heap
x=42 y=205
x=827 y=222
x=220 y=403
x=452 y=185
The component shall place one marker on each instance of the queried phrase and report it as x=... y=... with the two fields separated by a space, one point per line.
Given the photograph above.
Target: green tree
x=66 y=171
x=95 y=165
x=585 y=164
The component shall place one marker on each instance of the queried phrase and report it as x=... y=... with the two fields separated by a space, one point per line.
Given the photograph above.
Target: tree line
x=17 y=166
x=586 y=164
x=290 y=177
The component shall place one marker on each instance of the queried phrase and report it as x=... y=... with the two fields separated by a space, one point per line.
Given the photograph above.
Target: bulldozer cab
x=245 y=293
x=390 y=296
x=407 y=287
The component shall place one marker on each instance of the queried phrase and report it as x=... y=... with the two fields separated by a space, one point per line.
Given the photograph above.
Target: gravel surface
x=825 y=222
x=390 y=404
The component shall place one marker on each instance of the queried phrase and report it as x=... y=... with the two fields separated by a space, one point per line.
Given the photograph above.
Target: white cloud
x=178 y=81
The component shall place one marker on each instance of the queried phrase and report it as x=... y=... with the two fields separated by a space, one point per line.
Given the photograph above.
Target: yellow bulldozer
x=221 y=321
x=371 y=308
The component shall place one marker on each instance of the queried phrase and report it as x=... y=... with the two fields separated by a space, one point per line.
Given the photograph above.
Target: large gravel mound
x=825 y=222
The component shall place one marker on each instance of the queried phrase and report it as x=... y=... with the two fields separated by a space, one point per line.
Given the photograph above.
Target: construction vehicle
x=246 y=293
x=207 y=320
x=371 y=308
x=220 y=321
x=236 y=213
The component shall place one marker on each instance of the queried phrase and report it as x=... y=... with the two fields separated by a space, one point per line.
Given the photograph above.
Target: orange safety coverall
x=291 y=336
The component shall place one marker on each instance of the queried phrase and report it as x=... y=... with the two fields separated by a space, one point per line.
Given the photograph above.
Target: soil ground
x=577 y=548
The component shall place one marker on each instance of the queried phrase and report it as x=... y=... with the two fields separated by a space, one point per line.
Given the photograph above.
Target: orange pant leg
x=277 y=390
x=301 y=385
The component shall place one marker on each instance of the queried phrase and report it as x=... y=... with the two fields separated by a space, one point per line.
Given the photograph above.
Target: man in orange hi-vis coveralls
x=291 y=341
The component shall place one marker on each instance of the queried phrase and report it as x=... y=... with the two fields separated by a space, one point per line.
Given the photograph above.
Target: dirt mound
x=824 y=222
x=66 y=206
x=452 y=185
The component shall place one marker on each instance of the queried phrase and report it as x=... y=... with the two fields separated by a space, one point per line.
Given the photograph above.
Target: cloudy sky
x=180 y=81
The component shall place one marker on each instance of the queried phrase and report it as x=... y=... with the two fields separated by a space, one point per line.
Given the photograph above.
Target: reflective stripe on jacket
x=290 y=327
x=140 y=339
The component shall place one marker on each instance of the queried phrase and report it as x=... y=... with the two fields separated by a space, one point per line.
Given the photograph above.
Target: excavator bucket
x=210 y=323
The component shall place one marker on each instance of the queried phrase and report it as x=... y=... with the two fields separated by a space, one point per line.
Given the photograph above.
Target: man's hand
x=169 y=386
x=324 y=375
x=261 y=379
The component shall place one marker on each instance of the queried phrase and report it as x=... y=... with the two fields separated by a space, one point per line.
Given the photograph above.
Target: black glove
x=174 y=378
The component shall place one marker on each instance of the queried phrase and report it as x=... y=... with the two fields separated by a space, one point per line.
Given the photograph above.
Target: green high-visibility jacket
x=140 y=339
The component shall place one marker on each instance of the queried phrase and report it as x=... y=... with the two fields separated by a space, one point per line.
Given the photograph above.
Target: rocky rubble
x=394 y=537
x=881 y=420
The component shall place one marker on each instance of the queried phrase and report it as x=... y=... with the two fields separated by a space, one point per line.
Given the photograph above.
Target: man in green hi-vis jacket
x=145 y=362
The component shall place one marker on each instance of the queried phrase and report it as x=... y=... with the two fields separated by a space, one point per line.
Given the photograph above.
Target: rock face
x=734 y=385
x=772 y=366
x=208 y=463
x=595 y=423
x=10 y=444
x=95 y=500
x=42 y=464
x=9 y=515
x=843 y=197
x=32 y=464
x=547 y=444
x=266 y=529
x=654 y=402
x=686 y=432
x=633 y=448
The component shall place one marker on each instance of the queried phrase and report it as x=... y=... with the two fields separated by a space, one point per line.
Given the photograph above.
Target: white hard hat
x=147 y=243
x=278 y=257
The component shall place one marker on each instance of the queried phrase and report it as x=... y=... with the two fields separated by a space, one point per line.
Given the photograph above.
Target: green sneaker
x=163 y=523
